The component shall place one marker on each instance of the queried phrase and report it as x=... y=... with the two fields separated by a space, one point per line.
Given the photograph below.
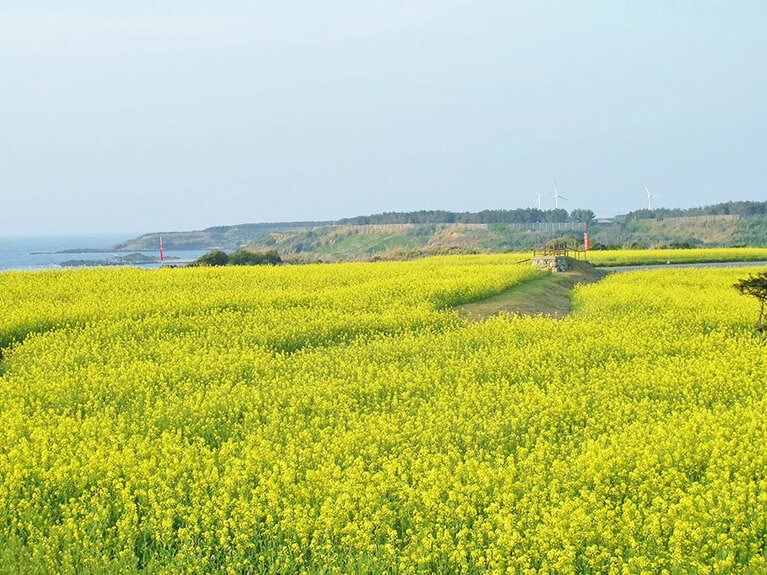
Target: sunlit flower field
x=343 y=418
x=675 y=256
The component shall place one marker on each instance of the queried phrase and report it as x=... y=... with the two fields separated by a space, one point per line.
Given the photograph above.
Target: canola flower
x=676 y=256
x=343 y=419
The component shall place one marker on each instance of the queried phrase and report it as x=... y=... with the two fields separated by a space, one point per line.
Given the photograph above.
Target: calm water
x=33 y=253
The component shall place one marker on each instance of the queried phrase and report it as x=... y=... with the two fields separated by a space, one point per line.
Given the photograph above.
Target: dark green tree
x=755 y=286
x=214 y=258
x=248 y=258
x=557 y=215
x=581 y=215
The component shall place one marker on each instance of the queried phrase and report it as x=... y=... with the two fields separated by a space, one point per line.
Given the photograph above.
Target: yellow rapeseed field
x=342 y=418
x=675 y=256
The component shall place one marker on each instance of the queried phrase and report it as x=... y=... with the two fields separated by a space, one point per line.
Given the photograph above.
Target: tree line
x=517 y=216
x=534 y=215
x=723 y=209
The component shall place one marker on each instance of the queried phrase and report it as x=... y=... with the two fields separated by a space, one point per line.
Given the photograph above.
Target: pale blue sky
x=160 y=116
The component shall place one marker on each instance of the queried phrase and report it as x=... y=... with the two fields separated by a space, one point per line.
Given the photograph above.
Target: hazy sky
x=173 y=115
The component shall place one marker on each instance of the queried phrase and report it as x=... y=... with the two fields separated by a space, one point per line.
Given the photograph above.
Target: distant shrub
x=214 y=258
x=249 y=258
x=685 y=245
x=239 y=258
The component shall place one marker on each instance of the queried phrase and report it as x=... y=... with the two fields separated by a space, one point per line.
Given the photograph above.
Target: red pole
x=586 y=243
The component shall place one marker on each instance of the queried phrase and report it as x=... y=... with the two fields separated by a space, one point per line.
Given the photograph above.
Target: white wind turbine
x=540 y=197
x=649 y=198
x=557 y=197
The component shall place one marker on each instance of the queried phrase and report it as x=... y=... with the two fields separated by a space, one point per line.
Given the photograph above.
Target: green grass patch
x=548 y=295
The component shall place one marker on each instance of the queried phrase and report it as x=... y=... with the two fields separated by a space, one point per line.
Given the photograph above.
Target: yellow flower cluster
x=342 y=418
x=675 y=256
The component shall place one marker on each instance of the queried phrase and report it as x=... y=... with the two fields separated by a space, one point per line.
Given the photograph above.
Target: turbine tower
x=540 y=197
x=649 y=198
x=557 y=197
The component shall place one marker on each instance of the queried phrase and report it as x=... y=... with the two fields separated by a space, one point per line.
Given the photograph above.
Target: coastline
x=51 y=252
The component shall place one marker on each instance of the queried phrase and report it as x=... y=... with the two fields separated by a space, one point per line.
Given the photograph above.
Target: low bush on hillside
x=239 y=258
x=248 y=258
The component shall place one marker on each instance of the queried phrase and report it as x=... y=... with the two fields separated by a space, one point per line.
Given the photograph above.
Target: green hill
x=401 y=235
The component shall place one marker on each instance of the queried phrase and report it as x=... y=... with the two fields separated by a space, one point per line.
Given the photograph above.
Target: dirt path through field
x=549 y=295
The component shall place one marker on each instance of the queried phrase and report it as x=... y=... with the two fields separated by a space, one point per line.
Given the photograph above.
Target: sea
x=48 y=252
